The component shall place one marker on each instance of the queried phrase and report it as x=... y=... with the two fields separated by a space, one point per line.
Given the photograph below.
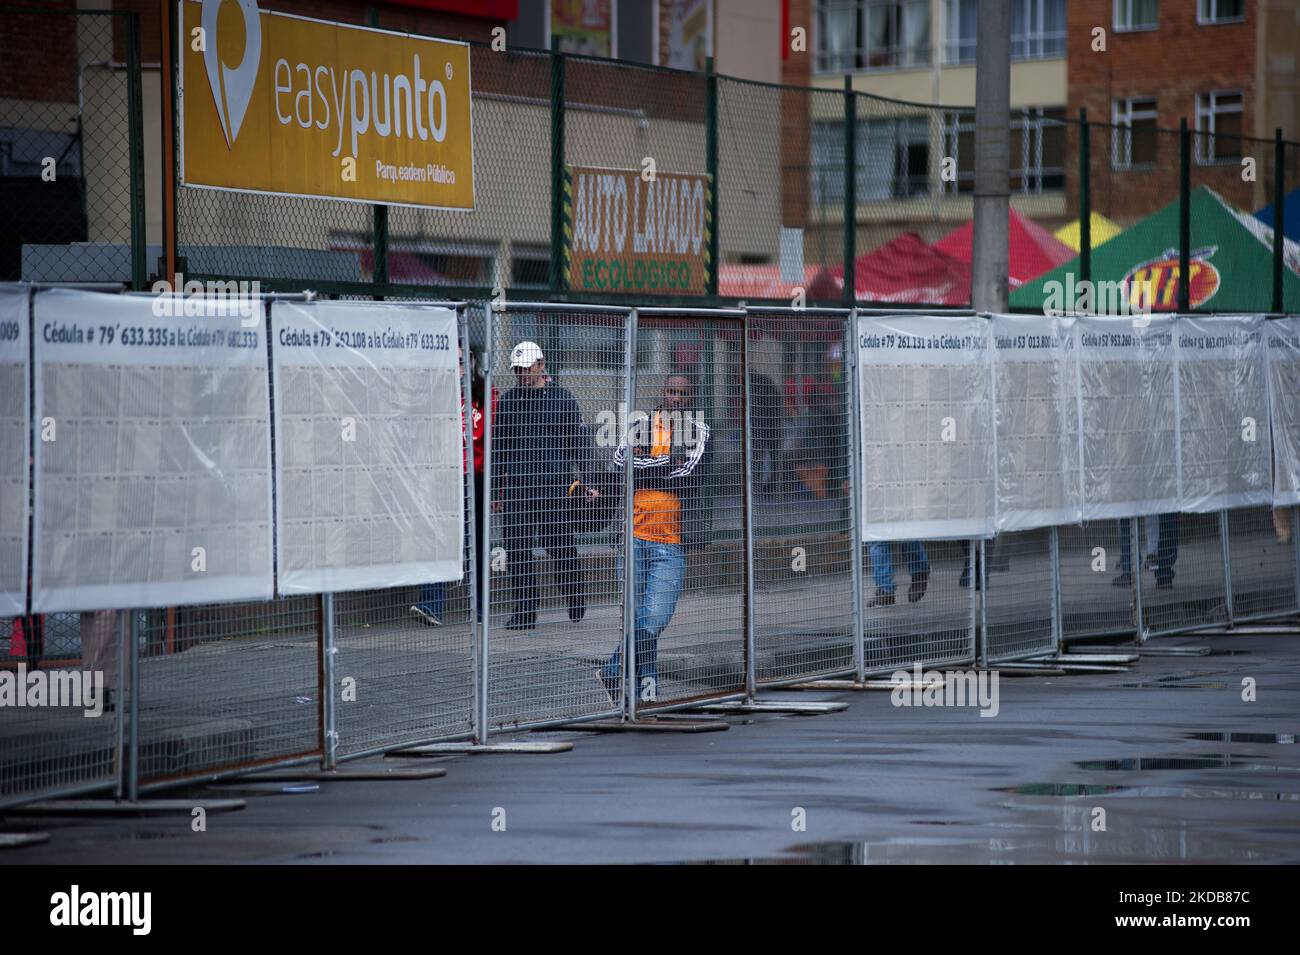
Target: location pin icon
x=232 y=88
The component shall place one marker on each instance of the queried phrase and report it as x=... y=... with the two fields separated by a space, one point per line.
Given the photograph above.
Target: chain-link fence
x=71 y=147
x=1262 y=558
x=1097 y=597
x=1020 y=607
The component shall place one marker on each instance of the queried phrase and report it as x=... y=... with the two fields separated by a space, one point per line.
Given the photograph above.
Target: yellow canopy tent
x=1102 y=231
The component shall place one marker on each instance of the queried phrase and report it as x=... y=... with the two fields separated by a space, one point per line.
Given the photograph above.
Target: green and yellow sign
x=636 y=231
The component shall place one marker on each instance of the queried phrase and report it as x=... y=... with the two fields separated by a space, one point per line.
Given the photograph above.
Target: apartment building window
x=1218 y=126
x=1037 y=150
x=893 y=159
x=1220 y=11
x=1037 y=30
x=1133 y=142
x=872 y=34
x=1137 y=14
x=960 y=31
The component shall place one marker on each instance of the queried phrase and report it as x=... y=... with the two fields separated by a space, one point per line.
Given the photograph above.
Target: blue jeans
x=658 y=571
x=882 y=562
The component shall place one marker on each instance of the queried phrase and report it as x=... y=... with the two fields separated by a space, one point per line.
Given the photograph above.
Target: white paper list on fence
x=1224 y=434
x=14 y=430
x=153 y=465
x=925 y=390
x=369 y=446
x=1128 y=435
x=1283 y=337
x=1037 y=447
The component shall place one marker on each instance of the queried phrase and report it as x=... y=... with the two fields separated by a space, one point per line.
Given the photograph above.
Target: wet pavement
x=1196 y=775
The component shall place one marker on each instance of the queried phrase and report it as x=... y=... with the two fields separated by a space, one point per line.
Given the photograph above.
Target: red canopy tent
x=1032 y=250
x=907 y=271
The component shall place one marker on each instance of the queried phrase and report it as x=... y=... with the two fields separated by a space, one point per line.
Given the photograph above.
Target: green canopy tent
x=1230 y=264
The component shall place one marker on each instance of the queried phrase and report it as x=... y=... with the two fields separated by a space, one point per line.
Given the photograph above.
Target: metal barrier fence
x=656 y=523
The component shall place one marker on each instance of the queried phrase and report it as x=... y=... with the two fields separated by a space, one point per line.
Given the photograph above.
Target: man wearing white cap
x=539 y=446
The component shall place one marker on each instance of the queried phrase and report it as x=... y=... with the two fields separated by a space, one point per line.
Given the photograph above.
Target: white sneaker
x=426 y=617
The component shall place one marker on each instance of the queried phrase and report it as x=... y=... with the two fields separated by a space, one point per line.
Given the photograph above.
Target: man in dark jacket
x=539 y=446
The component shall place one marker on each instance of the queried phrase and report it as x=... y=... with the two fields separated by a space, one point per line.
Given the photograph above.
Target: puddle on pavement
x=1282 y=738
x=1068 y=790
x=1158 y=763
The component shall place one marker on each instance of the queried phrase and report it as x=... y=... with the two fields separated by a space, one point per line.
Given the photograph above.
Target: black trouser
x=540 y=522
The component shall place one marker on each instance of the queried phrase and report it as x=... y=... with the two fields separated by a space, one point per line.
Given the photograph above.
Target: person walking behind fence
x=670 y=462
x=1166 y=552
x=882 y=571
x=433 y=596
x=539 y=446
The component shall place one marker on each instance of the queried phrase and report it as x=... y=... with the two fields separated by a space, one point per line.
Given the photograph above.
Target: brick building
x=1226 y=66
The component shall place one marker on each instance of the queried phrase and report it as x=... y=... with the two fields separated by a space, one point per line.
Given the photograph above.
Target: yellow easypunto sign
x=276 y=103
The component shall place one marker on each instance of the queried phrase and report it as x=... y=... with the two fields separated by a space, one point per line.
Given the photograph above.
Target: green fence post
x=1279 y=216
x=557 y=167
x=711 y=159
x=135 y=151
x=1184 y=216
x=1085 y=197
x=850 y=191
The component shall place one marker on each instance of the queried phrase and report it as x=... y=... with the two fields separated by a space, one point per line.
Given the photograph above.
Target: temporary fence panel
x=156 y=487
x=1224 y=446
x=932 y=621
x=226 y=687
x=1182 y=572
x=1262 y=556
x=927 y=443
x=686 y=433
x=1096 y=586
x=801 y=436
x=59 y=735
x=1284 y=408
x=1035 y=415
x=1127 y=407
x=369 y=446
x=403 y=668
x=15 y=430
x=550 y=479
x=927 y=446
x=1019 y=613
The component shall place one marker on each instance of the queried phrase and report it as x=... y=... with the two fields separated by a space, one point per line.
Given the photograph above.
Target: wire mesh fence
x=48 y=746
x=935 y=625
x=1020 y=600
x=800 y=428
x=71 y=172
x=223 y=687
x=551 y=482
x=1181 y=567
x=1262 y=560
x=1096 y=591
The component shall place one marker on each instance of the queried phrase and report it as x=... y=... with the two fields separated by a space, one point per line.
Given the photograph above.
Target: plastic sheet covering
x=926 y=385
x=369 y=446
x=14 y=428
x=1128 y=437
x=1036 y=430
x=1224 y=445
x=154 y=488
x=1283 y=336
